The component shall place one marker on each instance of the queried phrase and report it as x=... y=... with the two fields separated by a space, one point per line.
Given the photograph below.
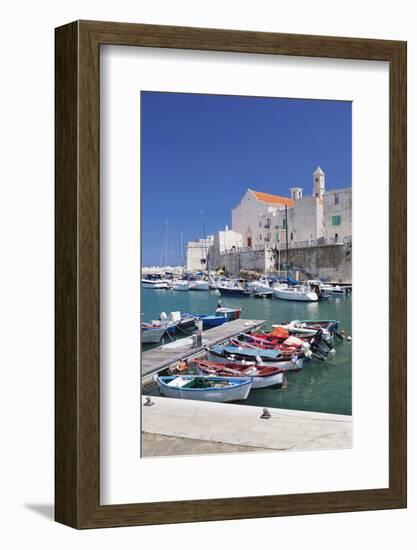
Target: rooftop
x=274 y=200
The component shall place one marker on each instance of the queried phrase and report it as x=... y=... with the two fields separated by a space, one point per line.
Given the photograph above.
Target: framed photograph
x=230 y=274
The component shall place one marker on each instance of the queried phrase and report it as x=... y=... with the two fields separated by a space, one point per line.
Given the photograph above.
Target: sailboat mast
x=166 y=243
x=286 y=238
x=182 y=253
x=203 y=247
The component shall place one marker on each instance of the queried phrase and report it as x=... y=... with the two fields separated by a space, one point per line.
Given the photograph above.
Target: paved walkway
x=241 y=425
x=168 y=445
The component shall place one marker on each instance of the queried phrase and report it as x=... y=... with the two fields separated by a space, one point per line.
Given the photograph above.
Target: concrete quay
x=175 y=426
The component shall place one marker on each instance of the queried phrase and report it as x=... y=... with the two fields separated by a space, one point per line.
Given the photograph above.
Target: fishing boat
x=288 y=346
x=331 y=325
x=295 y=293
x=168 y=326
x=296 y=328
x=266 y=357
x=231 y=312
x=181 y=320
x=211 y=321
x=152 y=334
x=262 y=377
x=213 y=388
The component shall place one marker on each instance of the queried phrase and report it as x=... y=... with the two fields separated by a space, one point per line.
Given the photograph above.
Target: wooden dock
x=158 y=359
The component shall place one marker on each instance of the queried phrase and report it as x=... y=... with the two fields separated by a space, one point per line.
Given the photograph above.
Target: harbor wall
x=330 y=261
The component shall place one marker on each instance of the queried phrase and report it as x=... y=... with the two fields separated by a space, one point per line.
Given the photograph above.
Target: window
x=336 y=220
x=336 y=236
x=277 y=237
x=249 y=242
x=284 y=223
x=260 y=237
x=292 y=237
x=260 y=224
x=336 y=199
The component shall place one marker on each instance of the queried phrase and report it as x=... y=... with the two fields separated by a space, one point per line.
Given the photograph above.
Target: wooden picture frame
x=77 y=384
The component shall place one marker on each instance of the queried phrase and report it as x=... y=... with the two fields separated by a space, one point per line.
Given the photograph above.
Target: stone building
x=197 y=252
x=318 y=227
x=262 y=218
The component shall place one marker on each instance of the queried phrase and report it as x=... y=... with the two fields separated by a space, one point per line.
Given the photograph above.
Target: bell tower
x=318 y=182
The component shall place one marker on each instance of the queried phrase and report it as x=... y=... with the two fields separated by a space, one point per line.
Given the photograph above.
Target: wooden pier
x=158 y=359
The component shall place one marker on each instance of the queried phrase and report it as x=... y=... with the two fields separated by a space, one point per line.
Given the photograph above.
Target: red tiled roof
x=274 y=200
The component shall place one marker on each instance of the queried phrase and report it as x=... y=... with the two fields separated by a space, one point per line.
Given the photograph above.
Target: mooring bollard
x=199 y=333
x=266 y=415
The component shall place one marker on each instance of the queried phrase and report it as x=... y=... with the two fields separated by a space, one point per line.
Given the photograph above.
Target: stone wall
x=332 y=262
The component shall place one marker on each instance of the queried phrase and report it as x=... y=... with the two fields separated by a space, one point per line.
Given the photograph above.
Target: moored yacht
x=296 y=293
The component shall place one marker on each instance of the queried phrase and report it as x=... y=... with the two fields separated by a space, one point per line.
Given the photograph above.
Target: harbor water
x=321 y=386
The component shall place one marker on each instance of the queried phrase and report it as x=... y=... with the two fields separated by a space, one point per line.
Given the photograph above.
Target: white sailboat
x=296 y=293
x=181 y=284
x=199 y=285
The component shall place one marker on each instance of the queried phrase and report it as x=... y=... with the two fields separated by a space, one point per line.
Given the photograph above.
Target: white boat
x=155 y=284
x=181 y=285
x=199 y=285
x=334 y=290
x=337 y=290
x=152 y=335
x=259 y=285
x=212 y=388
x=296 y=293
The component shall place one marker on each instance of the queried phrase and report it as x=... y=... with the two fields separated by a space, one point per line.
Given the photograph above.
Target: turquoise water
x=319 y=386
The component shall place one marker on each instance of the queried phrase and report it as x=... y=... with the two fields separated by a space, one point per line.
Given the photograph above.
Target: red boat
x=262 y=376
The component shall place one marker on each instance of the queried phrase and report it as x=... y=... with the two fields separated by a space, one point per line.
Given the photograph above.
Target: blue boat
x=211 y=321
x=204 y=388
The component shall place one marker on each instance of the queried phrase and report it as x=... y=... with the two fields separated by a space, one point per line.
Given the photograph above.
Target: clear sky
x=202 y=152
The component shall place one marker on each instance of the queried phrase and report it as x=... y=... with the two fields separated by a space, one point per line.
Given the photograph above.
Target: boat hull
x=286 y=294
x=155 y=285
x=225 y=291
x=152 y=335
x=200 y=285
x=181 y=287
x=272 y=380
x=231 y=314
x=211 y=321
x=293 y=364
x=238 y=390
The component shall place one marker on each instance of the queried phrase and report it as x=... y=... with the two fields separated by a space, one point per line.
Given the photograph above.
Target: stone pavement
x=241 y=425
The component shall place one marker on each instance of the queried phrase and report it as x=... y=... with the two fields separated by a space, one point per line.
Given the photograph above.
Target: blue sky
x=201 y=153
